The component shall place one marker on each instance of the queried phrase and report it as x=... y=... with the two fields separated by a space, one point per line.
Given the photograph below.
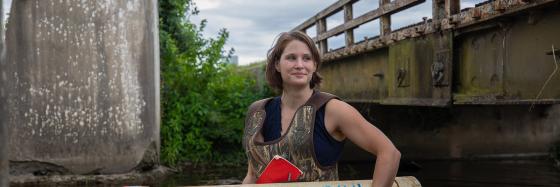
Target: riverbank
x=150 y=178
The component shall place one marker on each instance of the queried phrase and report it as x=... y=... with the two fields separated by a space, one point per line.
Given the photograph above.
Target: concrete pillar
x=81 y=86
x=3 y=131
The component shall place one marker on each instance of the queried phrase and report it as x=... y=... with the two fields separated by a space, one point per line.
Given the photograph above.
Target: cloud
x=411 y=15
x=253 y=24
x=207 y=4
x=6 y=5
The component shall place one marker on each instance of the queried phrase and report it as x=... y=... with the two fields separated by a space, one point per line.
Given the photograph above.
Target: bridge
x=80 y=95
x=477 y=82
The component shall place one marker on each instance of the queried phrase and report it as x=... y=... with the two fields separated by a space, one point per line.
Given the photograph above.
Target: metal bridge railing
x=446 y=14
x=383 y=13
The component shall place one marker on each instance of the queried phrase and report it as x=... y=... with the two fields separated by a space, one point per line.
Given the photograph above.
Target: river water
x=471 y=173
x=477 y=173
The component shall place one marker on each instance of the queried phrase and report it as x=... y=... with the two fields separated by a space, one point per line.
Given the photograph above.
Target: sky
x=254 y=24
x=6 y=6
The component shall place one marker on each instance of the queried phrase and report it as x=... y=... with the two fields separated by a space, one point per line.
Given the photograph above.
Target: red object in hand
x=279 y=170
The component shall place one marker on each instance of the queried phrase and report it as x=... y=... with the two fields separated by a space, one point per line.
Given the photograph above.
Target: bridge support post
x=384 y=21
x=322 y=28
x=3 y=130
x=452 y=7
x=348 y=17
x=80 y=87
x=444 y=8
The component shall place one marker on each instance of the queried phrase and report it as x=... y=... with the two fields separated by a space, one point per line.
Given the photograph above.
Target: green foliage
x=204 y=99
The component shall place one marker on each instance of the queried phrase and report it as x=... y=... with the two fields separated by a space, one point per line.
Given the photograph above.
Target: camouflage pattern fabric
x=296 y=145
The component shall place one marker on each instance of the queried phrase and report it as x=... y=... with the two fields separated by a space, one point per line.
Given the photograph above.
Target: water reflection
x=206 y=176
x=472 y=173
x=429 y=173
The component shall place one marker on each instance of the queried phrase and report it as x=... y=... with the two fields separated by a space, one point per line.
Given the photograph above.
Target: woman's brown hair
x=273 y=57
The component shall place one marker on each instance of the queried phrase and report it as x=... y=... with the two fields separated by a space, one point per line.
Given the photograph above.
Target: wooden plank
x=452 y=7
x=385 y=20
x=438 y=9
x=407 y=181
x=321 y=28
x=348 y=15
x=392 y=7
x=335 y=7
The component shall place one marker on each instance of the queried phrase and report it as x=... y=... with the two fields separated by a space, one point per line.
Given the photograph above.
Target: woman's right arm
x=250 y=178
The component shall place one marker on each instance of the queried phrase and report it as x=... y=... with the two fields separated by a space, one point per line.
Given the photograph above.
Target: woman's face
x=296 y=64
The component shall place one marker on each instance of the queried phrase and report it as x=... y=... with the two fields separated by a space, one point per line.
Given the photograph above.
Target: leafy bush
x=204 y=99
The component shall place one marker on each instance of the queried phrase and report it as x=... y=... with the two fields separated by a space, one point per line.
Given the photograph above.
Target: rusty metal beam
x=416 y=102
x=489 y=11
x=492 y=100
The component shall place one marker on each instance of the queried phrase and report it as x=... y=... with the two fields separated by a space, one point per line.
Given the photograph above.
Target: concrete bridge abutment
x=80 y=87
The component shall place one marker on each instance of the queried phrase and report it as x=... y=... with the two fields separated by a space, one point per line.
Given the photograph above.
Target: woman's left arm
x=351 y=124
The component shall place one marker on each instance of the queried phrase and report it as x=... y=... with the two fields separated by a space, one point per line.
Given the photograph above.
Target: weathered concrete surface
x=3 y=129
x=81 y=86
x=3 y=155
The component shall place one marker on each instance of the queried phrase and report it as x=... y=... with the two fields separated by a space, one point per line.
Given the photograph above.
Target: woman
x=305 y=126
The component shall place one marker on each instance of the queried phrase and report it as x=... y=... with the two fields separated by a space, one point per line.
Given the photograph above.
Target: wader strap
x=319 y=99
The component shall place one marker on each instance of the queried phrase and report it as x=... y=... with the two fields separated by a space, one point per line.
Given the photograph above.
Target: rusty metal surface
x=361 y=77
x=419 y=71
x=402 y=74
x=498 y=52
x=509 y=64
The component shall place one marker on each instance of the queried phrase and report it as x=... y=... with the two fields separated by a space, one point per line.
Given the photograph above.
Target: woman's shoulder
x=339 y=108
x=336 y=104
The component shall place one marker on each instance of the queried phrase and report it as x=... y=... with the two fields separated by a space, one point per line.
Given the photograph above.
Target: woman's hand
x=250 y=178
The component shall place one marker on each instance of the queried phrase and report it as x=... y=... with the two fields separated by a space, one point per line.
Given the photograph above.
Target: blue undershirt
x=327 y=149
